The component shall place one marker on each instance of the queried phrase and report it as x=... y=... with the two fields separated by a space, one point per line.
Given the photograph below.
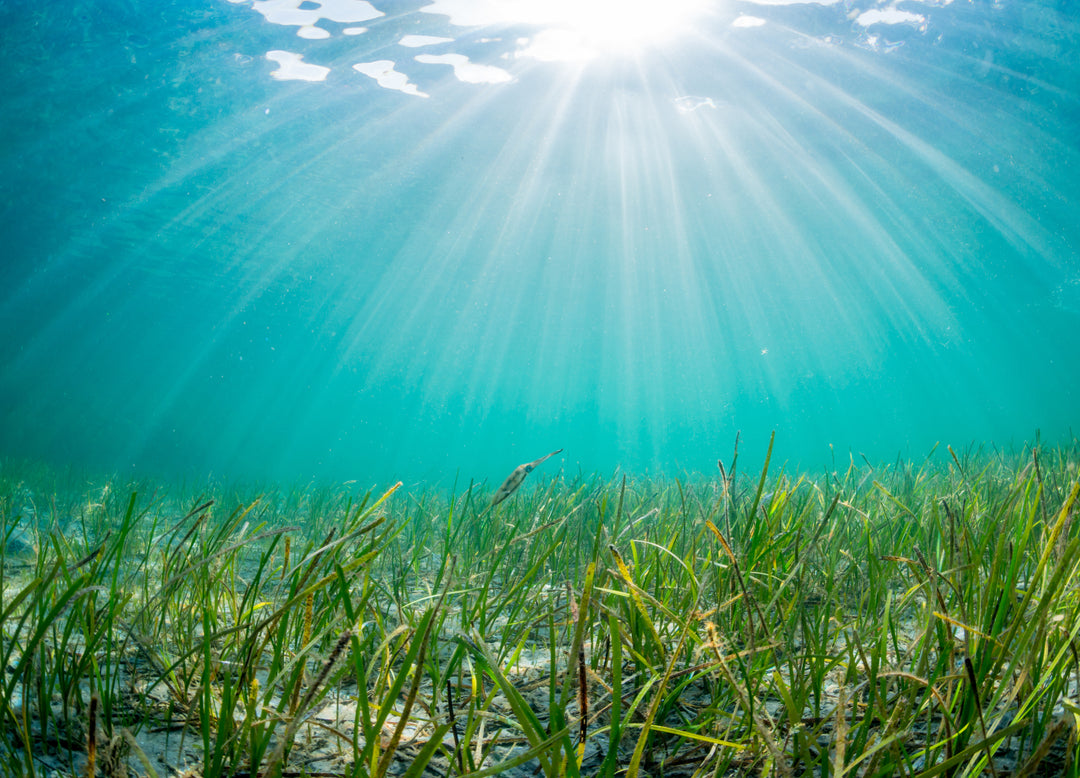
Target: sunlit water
x=406 y=240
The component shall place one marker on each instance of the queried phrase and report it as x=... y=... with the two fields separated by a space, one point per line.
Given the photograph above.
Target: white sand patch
x=289 y=12
x=889 y=16
x=293 y=68
x=748 y=21
x=382 y=70
x=416 y=41
x=467 y=71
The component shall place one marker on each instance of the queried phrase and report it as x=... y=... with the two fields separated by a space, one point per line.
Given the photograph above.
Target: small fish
x=513 y=481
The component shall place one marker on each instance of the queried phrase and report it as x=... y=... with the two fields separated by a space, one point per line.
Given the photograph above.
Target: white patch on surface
x=889 y=16
x=354 y=30
x=467 y=71
x=313 y=33
x=288 y=12
x=416 y=41
x=293 y=68
x=604 y=25
x=382 y=70
x=748 y=21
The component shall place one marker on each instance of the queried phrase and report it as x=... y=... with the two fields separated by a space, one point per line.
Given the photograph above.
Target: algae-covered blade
x=513 y=481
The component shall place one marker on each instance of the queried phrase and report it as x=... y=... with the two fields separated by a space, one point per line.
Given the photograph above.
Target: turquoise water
x=628 y=230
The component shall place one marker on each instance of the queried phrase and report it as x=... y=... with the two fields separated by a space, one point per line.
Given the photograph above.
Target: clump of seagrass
x=111 y=757
x=414 y=689
x=277 y=759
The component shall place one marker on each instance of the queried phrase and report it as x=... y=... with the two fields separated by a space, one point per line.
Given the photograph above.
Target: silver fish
x=513 y=481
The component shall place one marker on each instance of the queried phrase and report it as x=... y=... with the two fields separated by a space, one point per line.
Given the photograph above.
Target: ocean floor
x=911 y=618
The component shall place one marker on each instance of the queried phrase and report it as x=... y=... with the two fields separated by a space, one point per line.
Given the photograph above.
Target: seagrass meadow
x=910 y=618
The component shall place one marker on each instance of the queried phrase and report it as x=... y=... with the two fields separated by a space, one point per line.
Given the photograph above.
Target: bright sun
x=621 y=24
x=577 y=29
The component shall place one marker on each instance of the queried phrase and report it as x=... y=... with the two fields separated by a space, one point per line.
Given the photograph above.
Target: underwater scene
x=539 y=388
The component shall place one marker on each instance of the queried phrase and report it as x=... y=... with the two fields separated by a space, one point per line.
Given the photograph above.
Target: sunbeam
x=479 y=229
